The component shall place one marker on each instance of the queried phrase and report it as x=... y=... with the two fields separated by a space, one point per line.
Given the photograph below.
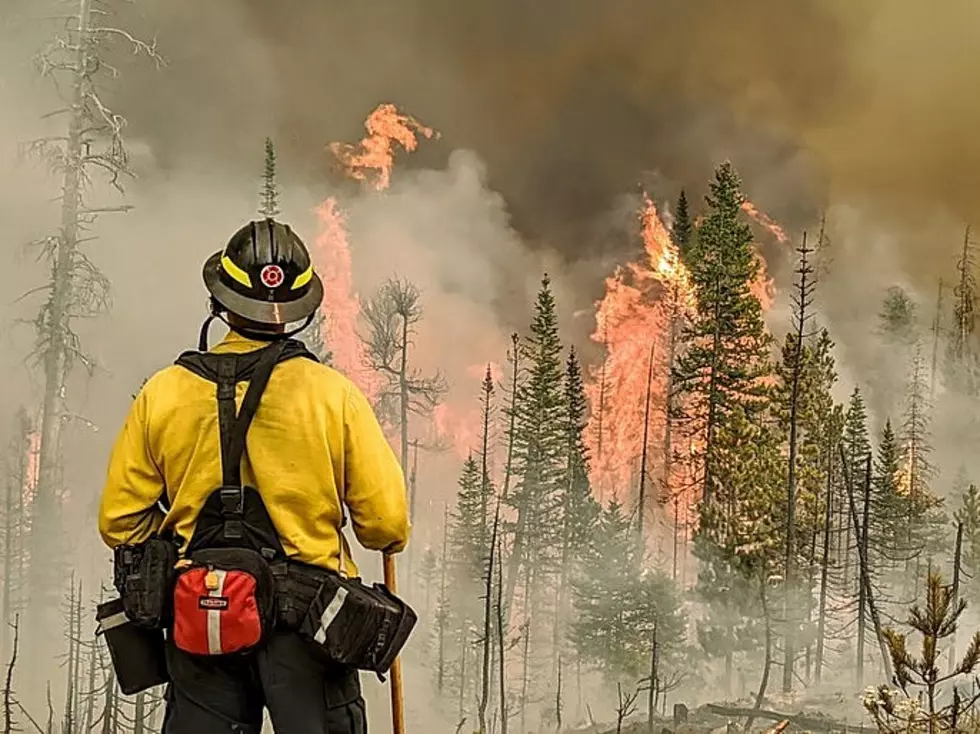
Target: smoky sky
x=569 y=103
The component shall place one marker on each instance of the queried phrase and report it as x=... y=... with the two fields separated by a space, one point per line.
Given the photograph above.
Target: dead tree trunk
x=824 y=571
x=802 y=302
x=863 y=592
x=865 y=576
x=56 y=336
x=957 y=561
x=501 y=659
x=487 y=607
x=512 y=413
x=443 y=602
x=641 y=504
x=9 y=723
x=652 y=692
x=526 y=653
x=767 y=666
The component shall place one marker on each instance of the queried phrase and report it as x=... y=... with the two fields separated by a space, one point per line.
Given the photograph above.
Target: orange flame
x=641 y=309
x=764 y=287
x=374 y=156
x=340 y=305
x=33 y=466
x=460 y=428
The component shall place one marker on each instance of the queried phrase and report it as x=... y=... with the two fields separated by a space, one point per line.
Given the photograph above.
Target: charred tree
x=863 y=591
x=863 y=570
x=802 y=300
x=641 y=502
x=486 y=642
x=442 y=613
x=514 y=355
x=501 y=646
x=957 y=563
x=91 y=147
x=9 y=698
x=825 y=570
x=392 y=315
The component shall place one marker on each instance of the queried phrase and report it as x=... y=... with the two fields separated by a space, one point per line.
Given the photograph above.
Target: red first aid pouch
x=224 y=602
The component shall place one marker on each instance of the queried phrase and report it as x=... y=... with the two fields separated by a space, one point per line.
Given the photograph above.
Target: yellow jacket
x=313 y=443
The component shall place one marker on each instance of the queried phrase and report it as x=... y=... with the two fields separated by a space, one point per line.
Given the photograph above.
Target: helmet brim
x=261 y=312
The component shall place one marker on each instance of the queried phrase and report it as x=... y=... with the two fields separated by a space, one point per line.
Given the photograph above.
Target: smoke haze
x=550 y=115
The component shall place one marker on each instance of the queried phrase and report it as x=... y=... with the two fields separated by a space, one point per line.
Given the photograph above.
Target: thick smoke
x=550 y=115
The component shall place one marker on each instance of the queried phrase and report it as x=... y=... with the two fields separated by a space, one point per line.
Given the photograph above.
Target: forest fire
x=372 y=159
x=341 y=307
x=636 y=322
x=459 y=428
x=764 y=287
x=32 y=465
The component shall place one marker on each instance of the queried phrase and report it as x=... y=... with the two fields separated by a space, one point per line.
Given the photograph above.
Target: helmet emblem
x=272 y=276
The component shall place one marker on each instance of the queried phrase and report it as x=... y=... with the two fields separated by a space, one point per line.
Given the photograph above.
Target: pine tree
x=579 y=511
x=857 y=447
x=740 y=537
x=270 y=190
x=924 y=517
x=539 y=471
x=539 y=445
x=468 y=527
x=727 y=344
x=682 y=230
x=898 y=318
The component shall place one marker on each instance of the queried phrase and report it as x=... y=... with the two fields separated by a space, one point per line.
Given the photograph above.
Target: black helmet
x=265 y=275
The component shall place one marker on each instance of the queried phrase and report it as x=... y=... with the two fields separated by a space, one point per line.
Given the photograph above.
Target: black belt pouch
x=138 y=654
x=144 y=577
x=364 y=627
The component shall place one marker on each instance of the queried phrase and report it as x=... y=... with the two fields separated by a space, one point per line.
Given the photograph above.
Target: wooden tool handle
x=397 y=703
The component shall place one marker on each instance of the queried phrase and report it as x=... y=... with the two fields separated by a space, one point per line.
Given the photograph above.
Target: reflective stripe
x=329 y=614
x=303 y=278
x=115 y=620
x=235 y=272
x=214 y=618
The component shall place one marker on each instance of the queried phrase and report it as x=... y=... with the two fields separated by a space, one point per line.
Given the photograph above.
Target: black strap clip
x=232 y=501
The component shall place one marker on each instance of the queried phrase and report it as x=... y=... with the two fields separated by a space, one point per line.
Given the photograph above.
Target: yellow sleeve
x=374 y=485
x=128 y=512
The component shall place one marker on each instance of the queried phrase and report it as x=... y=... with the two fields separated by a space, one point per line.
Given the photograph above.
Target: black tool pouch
x=138 y=654
x=144 y=577
x=297 y=585
x=364 y=627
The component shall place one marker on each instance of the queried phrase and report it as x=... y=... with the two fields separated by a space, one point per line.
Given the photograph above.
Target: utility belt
x=235 y=585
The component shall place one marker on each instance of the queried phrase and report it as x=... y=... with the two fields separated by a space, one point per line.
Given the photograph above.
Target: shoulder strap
x=205 y=364
x=234 y=432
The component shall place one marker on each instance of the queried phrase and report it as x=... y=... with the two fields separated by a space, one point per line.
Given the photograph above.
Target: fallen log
x=810 y=723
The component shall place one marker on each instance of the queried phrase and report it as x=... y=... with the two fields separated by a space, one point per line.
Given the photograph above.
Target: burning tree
x=90 y=149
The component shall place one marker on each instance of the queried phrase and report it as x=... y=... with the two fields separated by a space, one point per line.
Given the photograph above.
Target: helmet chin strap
x=263 y=336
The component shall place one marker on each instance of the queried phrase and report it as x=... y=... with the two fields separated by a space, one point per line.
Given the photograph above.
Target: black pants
x=304 y=695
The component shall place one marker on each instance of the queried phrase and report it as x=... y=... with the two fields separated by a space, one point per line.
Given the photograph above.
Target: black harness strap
x=234 y=429
x=236 y=520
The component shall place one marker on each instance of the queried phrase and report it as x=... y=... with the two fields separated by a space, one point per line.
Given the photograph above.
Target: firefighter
x=316 y=454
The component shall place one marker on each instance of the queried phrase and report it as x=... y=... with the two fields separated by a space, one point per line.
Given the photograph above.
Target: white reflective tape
x=214 y=617
x=330 y=614
x=114 y=620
